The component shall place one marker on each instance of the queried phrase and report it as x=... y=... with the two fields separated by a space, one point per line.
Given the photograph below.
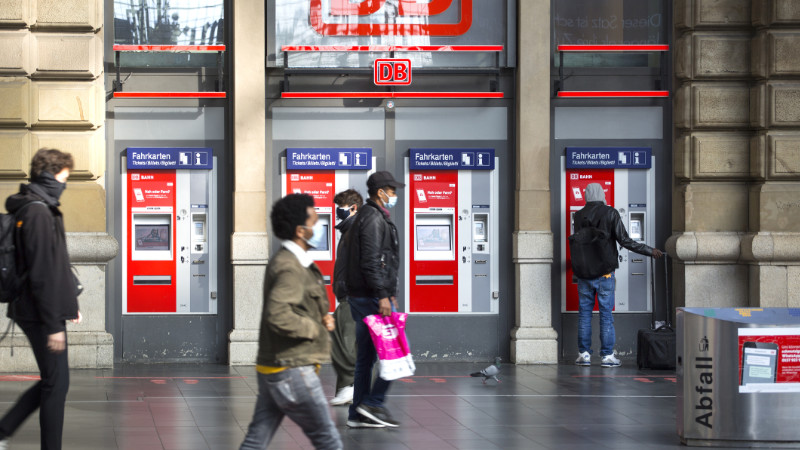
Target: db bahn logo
x=392 y=71
x=389 y=17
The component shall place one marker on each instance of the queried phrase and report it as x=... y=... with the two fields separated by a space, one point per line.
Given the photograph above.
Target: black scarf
x=47 y=187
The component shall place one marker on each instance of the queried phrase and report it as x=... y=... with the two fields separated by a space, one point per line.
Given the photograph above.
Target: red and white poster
x=576 y=183
x=320 y=184
x=769 y=359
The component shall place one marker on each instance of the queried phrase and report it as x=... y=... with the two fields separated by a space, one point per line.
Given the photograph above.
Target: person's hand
x=384 y=307
x=57 y=342
x=657 y=253
x=329 y=323
x=79 y=319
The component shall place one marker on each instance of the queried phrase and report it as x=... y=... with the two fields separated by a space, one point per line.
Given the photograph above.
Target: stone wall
x=51 y=86
x=736 y=217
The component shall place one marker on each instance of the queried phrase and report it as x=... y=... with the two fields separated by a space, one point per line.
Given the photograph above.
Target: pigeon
x=489 y=372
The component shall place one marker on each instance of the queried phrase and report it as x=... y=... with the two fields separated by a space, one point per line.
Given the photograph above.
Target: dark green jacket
x=292 y=333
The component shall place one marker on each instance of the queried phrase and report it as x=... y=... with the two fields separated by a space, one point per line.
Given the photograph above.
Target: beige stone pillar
x=51 y=86
x=533 y=339
x=737 y=110
x=249 y=244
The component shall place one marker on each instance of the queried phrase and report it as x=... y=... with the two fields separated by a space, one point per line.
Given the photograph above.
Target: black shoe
x=378 y=414
x=363 y=422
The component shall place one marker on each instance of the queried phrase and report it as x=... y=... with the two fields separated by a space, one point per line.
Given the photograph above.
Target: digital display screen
x=324 y=247
x=152 y=237
x=433 y=237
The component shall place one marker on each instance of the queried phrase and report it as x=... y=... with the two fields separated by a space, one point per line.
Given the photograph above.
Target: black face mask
x=342 y=213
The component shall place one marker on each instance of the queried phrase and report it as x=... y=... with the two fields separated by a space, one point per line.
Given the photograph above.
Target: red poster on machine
x=433 y=269
x=769 y=359
x=319 y=184
x=150 y=252
x=576 y=183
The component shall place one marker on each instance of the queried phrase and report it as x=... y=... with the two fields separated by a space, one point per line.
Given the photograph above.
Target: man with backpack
x=594 y=256
x=49 y=295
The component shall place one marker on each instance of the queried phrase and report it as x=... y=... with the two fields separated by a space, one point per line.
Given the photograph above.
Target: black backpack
x=12 y=279
x=591 y=251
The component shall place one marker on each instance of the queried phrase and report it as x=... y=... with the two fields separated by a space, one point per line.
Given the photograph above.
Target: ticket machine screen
x=324 y=247
x=433 y=238
x=152 y=237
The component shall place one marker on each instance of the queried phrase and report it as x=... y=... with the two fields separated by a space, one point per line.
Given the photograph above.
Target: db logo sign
x=390 y=17
x=392 y=71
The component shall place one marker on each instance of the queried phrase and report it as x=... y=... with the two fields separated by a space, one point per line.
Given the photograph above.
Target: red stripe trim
x=613 y=48
x=169 y=48
x=392 y=95
x=585 y=94
x=169 y=94
x=392 y=48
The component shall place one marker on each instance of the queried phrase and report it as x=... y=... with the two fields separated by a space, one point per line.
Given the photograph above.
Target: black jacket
x=607 y=218
x=339 y=282
x=373 y=254
x=49 y=295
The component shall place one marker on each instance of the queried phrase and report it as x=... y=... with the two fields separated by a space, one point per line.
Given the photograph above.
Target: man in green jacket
x=294 y=337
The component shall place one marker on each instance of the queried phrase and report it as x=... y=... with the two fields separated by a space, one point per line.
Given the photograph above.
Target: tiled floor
x=208 y=407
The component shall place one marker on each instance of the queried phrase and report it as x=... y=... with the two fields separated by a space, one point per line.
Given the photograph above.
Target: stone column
x=737 y=217
x=773 y=246
x=533 y=339
x=249 y=244
x=51 y=86
x=712 y=162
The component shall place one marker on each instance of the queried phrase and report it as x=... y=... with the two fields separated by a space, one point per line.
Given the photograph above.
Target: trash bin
x=738 y=376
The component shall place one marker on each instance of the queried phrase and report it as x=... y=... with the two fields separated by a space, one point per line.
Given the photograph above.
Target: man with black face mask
x=343 y=338
x=49 y=297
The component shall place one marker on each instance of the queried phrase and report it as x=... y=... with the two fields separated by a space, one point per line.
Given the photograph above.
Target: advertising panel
x=388 y=23
x=769 y=359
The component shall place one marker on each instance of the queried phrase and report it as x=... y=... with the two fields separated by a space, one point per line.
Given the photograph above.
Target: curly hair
x=348 y=197
x=288 y=213
x=50 y=160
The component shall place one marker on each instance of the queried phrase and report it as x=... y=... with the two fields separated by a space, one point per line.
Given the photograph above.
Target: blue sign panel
x=451 y=159
x=170 y=158
x=608 y=157
x=329 y=158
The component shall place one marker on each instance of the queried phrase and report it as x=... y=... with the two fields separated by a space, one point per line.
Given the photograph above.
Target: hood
x=25 y=195
x=594 y=193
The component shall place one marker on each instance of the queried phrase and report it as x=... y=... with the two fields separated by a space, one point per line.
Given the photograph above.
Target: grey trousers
x=343 y=345
x=296 y=393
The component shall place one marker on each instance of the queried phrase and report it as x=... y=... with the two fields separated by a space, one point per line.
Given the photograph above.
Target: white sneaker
x=584 y=359
x=4 y=444
x=344 y=396
x=610 y=361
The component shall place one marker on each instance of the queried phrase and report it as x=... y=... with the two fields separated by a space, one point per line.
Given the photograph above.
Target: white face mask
x=318 y=237
x=391 y=200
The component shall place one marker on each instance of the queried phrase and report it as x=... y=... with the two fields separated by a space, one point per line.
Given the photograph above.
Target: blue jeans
x=364 y=392
x=297 y=393
x=604 y=288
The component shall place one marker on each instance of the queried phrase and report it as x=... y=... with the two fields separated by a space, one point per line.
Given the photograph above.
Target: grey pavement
x=144 y=407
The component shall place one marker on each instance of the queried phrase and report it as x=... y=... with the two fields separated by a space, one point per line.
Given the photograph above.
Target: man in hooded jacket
x=596 y=213
x=49 y=297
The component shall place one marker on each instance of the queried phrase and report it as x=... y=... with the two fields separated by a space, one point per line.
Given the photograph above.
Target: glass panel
x=168 y=22
x=609 y=22
x=389 y=23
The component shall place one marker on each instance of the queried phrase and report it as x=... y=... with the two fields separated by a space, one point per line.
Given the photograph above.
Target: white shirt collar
x=302 y=255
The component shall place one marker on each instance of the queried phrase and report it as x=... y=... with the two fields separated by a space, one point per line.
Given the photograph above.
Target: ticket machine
x=626 y=176
x=451 y=231
x=169 y=245
x=322 y=173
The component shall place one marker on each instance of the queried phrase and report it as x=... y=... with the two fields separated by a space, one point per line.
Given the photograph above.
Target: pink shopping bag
x=389 y=336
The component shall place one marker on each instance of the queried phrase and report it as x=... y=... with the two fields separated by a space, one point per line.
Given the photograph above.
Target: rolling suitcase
x=655 y=347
